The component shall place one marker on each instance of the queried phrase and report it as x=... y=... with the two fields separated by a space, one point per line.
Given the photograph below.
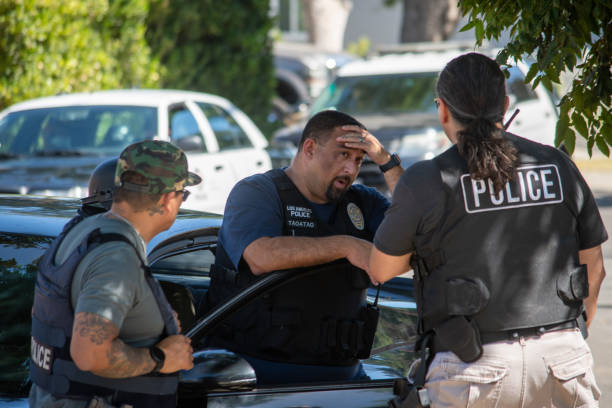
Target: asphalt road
x=600 y=336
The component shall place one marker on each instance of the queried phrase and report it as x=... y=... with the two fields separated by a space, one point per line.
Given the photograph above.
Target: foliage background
x=53 y=46
x=220 y=47
x=61 y=46
x=562 y=35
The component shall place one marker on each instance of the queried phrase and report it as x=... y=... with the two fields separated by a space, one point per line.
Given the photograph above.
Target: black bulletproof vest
x=51 y=366
x=316 y=320
x=538 y=281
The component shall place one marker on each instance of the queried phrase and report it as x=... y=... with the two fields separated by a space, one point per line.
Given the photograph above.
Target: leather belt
x=515 y=334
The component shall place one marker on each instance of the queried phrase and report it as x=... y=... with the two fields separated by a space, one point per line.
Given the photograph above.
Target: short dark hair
x=138 y=200
x=473 y=88
x=321 y=125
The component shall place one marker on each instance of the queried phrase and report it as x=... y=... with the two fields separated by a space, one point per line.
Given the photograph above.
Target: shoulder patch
x=356 y=216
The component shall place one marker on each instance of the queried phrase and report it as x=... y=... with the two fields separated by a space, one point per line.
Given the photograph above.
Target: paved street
x=598 y=173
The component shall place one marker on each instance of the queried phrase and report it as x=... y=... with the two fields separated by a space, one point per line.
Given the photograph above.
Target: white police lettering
x=41 y=354
x=299 y=212
x=533 y=185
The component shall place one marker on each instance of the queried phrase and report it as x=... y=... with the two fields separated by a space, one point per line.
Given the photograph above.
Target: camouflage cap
x=163 y=164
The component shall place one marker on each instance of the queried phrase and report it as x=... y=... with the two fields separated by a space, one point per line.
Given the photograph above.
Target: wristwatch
x=393 y=161
x=158 y=356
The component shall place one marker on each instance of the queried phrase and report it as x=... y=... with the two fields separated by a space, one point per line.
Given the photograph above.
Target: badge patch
x=356 y=216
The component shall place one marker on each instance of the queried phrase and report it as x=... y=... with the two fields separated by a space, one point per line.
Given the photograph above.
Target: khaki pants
x=553 y=370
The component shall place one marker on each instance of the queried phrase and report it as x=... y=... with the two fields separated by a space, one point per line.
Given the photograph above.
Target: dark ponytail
x=473 y=88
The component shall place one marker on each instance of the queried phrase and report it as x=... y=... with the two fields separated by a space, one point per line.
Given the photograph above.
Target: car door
x=221 y=378
x=236 y=142
x=187 y=131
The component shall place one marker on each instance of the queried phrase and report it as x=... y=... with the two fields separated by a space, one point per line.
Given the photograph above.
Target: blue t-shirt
x=254 y=210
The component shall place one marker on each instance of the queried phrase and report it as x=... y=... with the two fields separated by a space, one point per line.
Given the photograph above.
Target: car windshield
x=75 y=130
x=380 y=94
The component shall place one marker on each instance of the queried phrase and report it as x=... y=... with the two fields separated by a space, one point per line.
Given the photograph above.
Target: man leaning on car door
x=103 y=334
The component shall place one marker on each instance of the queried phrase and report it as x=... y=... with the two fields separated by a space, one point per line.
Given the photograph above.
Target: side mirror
x=217 y=370
x=192 y=143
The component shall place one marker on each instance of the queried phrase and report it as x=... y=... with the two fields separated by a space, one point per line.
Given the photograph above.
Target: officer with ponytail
x=504 y=237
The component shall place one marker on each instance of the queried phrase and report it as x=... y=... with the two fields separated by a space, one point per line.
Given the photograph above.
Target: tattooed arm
x=95 y=347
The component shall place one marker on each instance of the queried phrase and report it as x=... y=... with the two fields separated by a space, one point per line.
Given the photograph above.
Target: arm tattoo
x=123 y=360
x=94 y=327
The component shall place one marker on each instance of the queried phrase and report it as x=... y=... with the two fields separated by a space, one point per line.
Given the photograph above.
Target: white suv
x=393 y=96
x=49 y=146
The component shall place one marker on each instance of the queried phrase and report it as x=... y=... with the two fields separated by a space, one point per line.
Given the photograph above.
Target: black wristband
x=158 y=356
x=393 y=161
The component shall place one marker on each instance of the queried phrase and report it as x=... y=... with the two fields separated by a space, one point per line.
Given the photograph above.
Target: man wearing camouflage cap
x=102 y=329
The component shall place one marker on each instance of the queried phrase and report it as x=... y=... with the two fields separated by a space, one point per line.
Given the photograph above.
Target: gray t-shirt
x=109 y=282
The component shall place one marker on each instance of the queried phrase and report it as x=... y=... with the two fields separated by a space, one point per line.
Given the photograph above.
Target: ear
x=443 y=112
x=165 y=201
x=309 y=147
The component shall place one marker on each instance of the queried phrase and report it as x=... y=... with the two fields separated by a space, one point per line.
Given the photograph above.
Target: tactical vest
x=539 y=282
x=51 y=366
x=322 y=319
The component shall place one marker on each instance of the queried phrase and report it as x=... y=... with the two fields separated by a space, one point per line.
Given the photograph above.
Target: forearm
x=593 y=259
x=384 y=267
x=275 y=253
x=392 y=176
x=95 y=347
x=124 y=361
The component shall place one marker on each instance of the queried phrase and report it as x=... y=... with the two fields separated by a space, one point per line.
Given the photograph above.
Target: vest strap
x=145 y=384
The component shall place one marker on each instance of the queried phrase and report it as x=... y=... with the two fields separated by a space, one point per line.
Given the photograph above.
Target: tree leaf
x=561 y=129
x=479 y=30
x=570 y=141
x=602 y=146
x=547 y=83
x=579 y=124
x=606 y=132
x=468 y=26
x=533 y=70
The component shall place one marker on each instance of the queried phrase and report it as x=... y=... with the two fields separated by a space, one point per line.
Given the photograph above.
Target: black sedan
x=181 y=259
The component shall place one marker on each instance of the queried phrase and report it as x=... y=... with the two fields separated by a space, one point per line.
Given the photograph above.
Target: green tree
x=220 y=47
x=562 y=35
x=53 y=46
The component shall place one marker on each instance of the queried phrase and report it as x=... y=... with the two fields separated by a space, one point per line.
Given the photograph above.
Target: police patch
x=533 y=185
x=356 y=216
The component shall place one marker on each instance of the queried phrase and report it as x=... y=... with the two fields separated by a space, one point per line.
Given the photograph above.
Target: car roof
x=137 y=97
x=46 y=216
x=412 y=62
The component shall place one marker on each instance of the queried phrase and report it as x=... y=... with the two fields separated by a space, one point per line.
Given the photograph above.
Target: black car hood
x=46 y=175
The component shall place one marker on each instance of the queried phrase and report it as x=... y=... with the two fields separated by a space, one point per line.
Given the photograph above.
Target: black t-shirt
x=419 y=200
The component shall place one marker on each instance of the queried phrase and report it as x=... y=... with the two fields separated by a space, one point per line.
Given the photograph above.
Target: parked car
x=50 y=145
x=393 y=96
x=302 y=72
x=180 y=258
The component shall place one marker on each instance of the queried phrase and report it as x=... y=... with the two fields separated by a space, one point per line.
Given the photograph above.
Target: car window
x=86 y=129
x=228 y=132
x=19 y=257
x=183 y=124
x=515 y=85
x=196 y=263
x=380 y=94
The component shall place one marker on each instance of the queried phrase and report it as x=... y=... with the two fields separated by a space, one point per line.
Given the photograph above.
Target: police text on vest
x=532 y=185
x=42 y=355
